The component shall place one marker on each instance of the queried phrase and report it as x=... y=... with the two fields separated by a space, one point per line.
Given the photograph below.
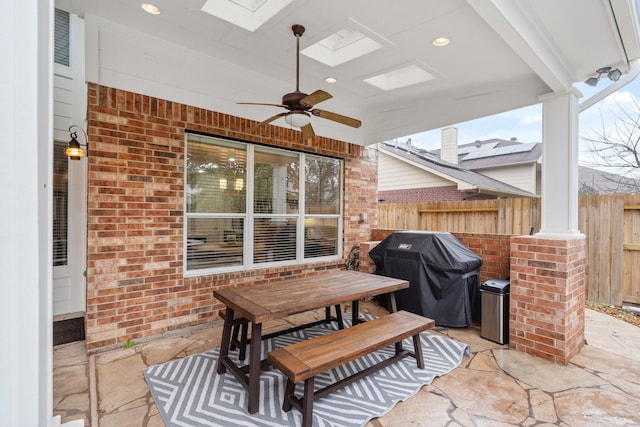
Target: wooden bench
x=240 y=333
x=304 y=360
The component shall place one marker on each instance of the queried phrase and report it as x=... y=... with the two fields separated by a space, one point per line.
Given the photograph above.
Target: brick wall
x=135 y=283
x=430 y=194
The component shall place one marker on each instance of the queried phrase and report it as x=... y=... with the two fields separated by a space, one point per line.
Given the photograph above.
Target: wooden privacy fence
x=611 y=224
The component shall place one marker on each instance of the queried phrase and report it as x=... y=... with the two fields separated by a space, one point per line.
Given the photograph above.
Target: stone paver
x=495 y=386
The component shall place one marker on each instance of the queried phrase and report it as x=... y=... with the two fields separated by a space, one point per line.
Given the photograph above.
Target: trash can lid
x=496 y=285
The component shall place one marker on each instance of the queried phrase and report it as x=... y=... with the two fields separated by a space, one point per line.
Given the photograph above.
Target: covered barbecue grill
x=442 y=272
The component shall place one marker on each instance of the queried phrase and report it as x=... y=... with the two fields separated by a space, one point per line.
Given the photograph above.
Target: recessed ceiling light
x=330 y=79
x=148 y=7
x=440 y=41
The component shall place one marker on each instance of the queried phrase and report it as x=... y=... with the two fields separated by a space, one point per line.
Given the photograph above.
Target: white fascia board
x=625 y=17
x=518 y=31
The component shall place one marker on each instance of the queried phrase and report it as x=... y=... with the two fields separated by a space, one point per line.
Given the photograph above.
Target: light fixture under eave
x=297 y=119
x=75 y=150
x=613 y=75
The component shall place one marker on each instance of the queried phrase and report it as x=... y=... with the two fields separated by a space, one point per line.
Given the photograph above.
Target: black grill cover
x=442 y=272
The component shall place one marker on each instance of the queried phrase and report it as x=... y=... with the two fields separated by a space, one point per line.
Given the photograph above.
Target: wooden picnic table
x=272 y=301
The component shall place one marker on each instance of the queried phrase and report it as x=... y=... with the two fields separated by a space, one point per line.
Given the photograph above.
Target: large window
x=249 y=206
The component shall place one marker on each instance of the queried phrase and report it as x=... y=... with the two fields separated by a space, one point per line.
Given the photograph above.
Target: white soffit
x=400 y=77
x=247 y=14
x=340 y=47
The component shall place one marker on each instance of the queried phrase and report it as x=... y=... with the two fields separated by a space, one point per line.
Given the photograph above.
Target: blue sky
x=526 y=123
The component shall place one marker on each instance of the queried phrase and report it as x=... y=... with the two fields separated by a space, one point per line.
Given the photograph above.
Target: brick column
x=547 y=296
x=366 y=264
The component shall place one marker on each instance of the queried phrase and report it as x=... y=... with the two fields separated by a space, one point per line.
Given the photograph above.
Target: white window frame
x=248 y=216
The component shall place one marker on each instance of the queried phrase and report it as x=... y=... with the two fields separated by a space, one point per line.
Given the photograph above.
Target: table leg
x=392 y=302
x=225 y=341
x=355 y=309
x=254 y=367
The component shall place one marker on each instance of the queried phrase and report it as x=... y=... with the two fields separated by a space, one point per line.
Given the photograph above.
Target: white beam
x=517 y=30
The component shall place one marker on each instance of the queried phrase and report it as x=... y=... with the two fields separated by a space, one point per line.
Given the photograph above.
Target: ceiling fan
x=299 y=105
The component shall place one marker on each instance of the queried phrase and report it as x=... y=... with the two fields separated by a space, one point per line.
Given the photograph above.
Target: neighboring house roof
x=496 y=152
x=492 y=153
x=456 y=173
x=593 y=181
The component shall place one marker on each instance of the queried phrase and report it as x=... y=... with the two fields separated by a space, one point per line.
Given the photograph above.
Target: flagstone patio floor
x=495 y=386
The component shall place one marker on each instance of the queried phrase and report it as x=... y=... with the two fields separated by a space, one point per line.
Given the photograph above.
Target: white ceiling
x=503 y=55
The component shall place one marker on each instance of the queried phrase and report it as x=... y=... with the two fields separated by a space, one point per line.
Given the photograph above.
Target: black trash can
x=442 y=272
x=494 y=305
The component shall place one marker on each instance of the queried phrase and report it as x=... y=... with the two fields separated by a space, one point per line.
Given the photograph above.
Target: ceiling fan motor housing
x=292 y=101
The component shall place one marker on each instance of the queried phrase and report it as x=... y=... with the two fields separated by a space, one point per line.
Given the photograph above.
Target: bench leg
x=289 y=395
x=307 y=402
x=417 y=350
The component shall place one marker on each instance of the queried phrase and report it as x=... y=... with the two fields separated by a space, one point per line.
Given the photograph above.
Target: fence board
x=611 y=224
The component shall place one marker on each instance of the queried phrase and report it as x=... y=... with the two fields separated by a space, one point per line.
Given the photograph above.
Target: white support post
x=26 y=119
x=559 y=202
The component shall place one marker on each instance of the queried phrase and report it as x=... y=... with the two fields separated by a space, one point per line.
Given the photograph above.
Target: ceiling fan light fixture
x=297 y=119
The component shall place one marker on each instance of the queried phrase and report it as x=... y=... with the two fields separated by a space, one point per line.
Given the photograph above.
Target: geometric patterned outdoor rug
x=188 y=392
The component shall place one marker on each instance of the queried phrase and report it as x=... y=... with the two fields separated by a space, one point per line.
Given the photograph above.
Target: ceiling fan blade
x=355 y=123
x=315 y=98
x=260 y=103
x=307 y=133
x=264 y=122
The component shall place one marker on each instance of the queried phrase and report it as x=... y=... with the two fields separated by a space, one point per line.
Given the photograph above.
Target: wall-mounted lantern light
x=75 y=150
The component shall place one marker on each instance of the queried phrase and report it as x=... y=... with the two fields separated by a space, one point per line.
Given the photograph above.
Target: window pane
x=216 y=176
x=214 y=242
x=61 y=38
x=322 y=185
x=275 y=181
x=320 y=237
x=60 y=203
x=274 y=239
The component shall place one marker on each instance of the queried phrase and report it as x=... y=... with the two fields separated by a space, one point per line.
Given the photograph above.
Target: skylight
x=401 y=77
x=340 y=47
x=247 y=14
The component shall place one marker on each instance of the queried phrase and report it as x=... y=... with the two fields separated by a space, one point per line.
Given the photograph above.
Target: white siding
x=69 y=108
x=394 y=174
x=521 y=176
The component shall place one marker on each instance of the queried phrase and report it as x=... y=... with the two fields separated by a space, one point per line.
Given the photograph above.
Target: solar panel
x=500 y=151
x=471 y=148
